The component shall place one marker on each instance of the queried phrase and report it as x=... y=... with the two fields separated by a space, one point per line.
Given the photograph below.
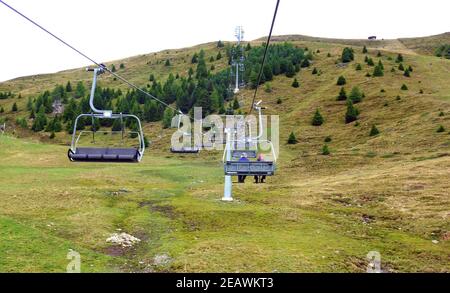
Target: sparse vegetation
x=292 y=138
x=317 y=119
x=341 y=80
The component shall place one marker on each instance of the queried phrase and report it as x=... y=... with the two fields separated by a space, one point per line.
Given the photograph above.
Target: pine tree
x=410 y=68
x=167 y=117
x=358 y=67
x=317 y=118
x=342 y=95
x=341 y=80
x=380 y=64
x=295 y=83
x=14 y=107
x=400 y=67
x=407 y=73
x=364 y=51
x=404 y=87
x=219 y=56
x=370 y=62
x=194 y=58
x=2 y=110
x=374 y=131
x=399 y=59
x=440 y=129
x=290 y=70
x=292 y=139
x=235 y=104
x=220 y=44
x=122 y=66
x=113 y=68
x=314 y=71
x=80 y=90
x=41 y=120
x=347 y=55
x=68 y=87
x=379 y=54
x=378 y=71
x=305 y=63
x=356 y=95
x=167 y=62
x=352 y=112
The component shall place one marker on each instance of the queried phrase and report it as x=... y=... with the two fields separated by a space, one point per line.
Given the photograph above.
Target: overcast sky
x=111 y=29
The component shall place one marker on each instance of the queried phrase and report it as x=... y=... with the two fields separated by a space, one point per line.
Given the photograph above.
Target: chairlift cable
x=89 y=58
x=264 y=57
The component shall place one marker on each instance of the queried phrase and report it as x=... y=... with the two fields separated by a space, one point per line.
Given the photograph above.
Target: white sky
x=111 y=29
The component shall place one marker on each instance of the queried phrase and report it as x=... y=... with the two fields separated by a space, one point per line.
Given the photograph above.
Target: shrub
x=219 y=56
x=295 y=83
x=404 y=87
x=220 y=44
x=379 y=54
x=400 y=67
x=370 y=62
x=358 y=67
x=279 y=101
x=374 y=131
x=440 y=129
x=342 y=95
x=235 y=104
x=398 y=98
x=328 y=55
x=52 y=135
x=2 y=110
x=399 y=58
x=368 y=74
x=356 y=95
x=410 y=68
x=167 y=63
x=364 y=51
x=14 y=107
x=325 y=150
x=122 y=66
x=352 y=112
x=317 y=118
x=22 y=122
x=314 y=71
x=292 y=139
x=267 y=87
x=341 y=80
x=441 y=114
x=305 y=63
x=327 y=139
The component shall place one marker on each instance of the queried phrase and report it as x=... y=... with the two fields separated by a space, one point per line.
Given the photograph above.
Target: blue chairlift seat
x=85 y=154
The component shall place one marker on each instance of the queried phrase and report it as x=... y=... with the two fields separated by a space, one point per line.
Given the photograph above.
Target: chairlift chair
x=234 y=167
x=105 y=154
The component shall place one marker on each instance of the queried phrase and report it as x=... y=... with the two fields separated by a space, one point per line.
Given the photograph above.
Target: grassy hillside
x=387 y=192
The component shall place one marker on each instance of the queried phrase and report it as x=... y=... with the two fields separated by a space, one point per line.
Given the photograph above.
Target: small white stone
x=435 y=241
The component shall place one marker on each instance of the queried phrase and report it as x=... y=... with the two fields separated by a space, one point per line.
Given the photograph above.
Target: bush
x=341 y=80
x=122 y=66
x=2 y=110
x=219 y=56
x=440 y=129
x=356 y=95
x=400 y=67
x=314 y=71
x=368 y=74
x=295 y=83
x=305 y=63
x=317 y=118
x=22 y=122
x=370 y=62
x=220 y=44
x=236 y=104
x=364 y=51
x=52 y=135
x=404 y=87
x=441 y=114
x=374 y=131
x=327 y=139
x=267 y=87
x=328 y=55
x=358 y=67
x=379 y=54
x=410 y=68
x=14 y=107
x=279 y=101
x=399 y=58
x=352 y=112
x=146 y=142
x=325 y=150
x=292 y=139
x=167 y=63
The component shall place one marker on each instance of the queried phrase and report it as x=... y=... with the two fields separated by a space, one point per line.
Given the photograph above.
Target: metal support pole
x=227 y=192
